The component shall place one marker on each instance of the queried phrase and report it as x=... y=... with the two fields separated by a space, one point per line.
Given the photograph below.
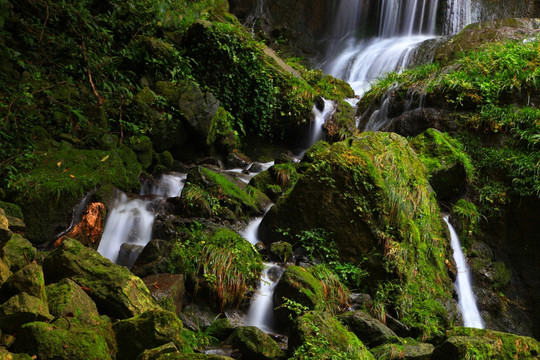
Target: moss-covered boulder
x=116 y=291
x=211 y=194
x=21 y=309
x=167 y=289
x=450 y=169
x=299 y=286
x=67 y=338
x=254 y=344
x=147 y=331
x=18 y=252
x=220 y=328
x=158 y=352
x=6 y=355
x=371 y=331
x=404 y=349
x=467 y=343
x=320 y=335
x=29 y=280
x=62 y=177
x=276 y=180
x=342 y=123
x=66 y=298
x=378 y=206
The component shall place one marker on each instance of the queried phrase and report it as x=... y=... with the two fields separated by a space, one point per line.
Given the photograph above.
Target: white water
x=130 y=220
x=250 y=233
x=260 y=312
x=459 y=13
x=467 y=303
x=319 y=118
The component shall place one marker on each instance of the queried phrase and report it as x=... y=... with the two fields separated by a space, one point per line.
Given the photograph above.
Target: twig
x=100 y=100
x=26 y=257
x=45 y=22
x=120 y=120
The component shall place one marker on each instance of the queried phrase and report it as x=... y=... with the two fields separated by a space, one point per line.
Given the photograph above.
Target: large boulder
x=167 y=289
x=378 y=206
x=21 y=309
x=404 y=349
x=320 y=335
x=18 y=252
x=146 y=331
x=67 y=339
x=254 y=344
x=116 y=291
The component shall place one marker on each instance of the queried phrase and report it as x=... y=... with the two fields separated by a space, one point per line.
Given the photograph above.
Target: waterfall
x=467 y=302
x=401 y=27
x=260 y=312
x=128 y=227
x=319 y=118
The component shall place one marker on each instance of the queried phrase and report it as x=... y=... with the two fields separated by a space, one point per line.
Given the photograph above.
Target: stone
x=254 y=344
x=406 y=349
x=29 y=280
x=6 y=355
x=66 y=298
x=153 y=259
x=147 y=331
x=369 y=330
x=156 y=353
x=115 y=290
x=5 y=232
x=220 y=328
x=21 y=309
x=165 y=287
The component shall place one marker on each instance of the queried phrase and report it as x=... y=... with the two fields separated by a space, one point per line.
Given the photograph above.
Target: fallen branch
x=100 y=99
x=45 y=22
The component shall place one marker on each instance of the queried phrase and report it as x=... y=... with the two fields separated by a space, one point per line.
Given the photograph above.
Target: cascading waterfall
x=402 y=26
x=128 y=227
x=260 y=312
x=467 y=303
x=459 y=13
x=319 y=118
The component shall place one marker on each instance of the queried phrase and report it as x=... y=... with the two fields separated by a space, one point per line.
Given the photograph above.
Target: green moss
x=253 y=343
x=67 y=298
x=466 y=219
x=12 y=210
x=18 y=252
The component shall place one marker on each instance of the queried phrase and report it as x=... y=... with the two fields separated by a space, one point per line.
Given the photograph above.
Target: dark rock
x=406 y=349
x=153 y=259
x=156 y=353
x=360 y=301
x=255 y=168
x=167 y=287
x=416 y=121
x=18 y=252
x=371 y=331
x=198 y=315
x=28 y=280
x=397 y=326
x=254 y=344
x=128 y=254
x=5 y=232
x=21 y=309
x=220 y=328
x=147 y=331
x=116 y=291
x=236 y=159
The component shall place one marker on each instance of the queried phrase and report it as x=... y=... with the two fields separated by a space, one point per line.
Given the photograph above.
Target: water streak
x=260 y=312
x=467 y=303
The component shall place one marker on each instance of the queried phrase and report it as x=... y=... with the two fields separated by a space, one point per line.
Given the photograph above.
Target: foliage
x=221 y=261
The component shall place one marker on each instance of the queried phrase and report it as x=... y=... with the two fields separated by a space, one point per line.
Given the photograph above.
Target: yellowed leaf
x=105 y=158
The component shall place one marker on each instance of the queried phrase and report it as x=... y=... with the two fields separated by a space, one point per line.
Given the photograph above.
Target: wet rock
x=198 y=315
x=360 y=301
x=371 y=331
x=156 y=353
x=89 y=230
x=67 y=339
x=66 y=298
x=116 y=291
x=21 y=309
x=397 y=326
x=147 y=331
x=254 y=344
x=220 y=328
x=236 y=159
x=313 y=327
x=167 y=287
x=406 y=349
x=28 y=280
x=128 y=254
x=281 y=251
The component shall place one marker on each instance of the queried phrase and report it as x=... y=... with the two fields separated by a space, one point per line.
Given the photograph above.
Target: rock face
x=371 y=331
x=116 y=291
x=21 y=309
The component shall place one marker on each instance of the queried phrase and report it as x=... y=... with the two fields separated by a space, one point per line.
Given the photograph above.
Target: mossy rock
x=6 y=355
x=281 y=251
x=210 y=194
x=21 y=309
x=5 y=273
x=379 y=206
x=300 y=286
x=467 y=343
x=63 y=176
x=404 y=349
x=67 y=338
x=342 y=123
x=220 y=328
x=28 y=280
x=66 y=298
x=277 y=179
x=371 y=331
x=254 y=344
x=147 y=331
x=180 y=356
x=5 y=232
x=115 y=290
x=158 y=352
x=12 y=210
x=18 y=252
x=320 y=335
x=450 y=169
x=142 y=146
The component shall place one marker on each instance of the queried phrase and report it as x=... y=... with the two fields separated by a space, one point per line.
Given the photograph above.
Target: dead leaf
x=105 y=158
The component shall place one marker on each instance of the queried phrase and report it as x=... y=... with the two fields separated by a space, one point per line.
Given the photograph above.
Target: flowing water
x=128 y=227
x=467 y=303
x=261 y=310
